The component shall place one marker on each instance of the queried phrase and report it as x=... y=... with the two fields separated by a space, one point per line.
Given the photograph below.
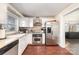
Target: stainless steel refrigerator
x=51 y=33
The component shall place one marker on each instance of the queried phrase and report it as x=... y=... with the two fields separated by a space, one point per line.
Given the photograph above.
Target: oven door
x=37 y=41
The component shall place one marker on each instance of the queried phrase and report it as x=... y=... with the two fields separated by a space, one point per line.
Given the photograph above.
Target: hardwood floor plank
x=45 y=50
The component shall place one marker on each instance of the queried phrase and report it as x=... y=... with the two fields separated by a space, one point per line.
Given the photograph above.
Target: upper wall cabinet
x=3 y=13
x=31 y=22
x=44 y=20
x=24 y=22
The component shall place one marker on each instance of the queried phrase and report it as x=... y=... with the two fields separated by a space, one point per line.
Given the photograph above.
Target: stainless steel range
x=37 y=38
x=37 y=35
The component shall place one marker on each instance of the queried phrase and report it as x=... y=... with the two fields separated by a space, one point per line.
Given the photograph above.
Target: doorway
x=72 y=31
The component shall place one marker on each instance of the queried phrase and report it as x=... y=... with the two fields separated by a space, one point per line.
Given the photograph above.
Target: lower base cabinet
x=23 y=42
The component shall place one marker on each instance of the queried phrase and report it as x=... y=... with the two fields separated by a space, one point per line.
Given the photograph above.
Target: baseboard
x=41 y=45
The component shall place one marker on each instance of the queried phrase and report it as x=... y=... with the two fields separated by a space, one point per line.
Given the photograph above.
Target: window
x=11 y=22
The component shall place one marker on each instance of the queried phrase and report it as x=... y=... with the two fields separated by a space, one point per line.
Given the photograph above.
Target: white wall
x=61 y=40
x=61 y=19
x=17 y=24
x=3 y=12
x=73 y=17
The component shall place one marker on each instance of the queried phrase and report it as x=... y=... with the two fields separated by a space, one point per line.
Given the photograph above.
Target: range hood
x=37 y=24
x=37 y=21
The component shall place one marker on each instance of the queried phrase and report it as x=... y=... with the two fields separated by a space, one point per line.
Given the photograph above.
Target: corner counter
x=9 y=42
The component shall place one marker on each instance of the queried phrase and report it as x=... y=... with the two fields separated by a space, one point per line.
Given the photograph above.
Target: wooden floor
x=45 y=50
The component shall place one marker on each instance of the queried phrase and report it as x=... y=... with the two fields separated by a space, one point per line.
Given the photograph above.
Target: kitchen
x=22 y=28
x=35 y=32
x=19 y=31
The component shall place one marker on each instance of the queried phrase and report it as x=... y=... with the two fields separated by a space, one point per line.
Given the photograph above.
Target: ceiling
x=40 y=9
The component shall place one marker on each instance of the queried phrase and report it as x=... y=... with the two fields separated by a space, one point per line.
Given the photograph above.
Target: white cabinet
x=23 y=42
x=43 y=38
x=24 y=22
x=44 y=20
x=31 y=22
x=29 y=38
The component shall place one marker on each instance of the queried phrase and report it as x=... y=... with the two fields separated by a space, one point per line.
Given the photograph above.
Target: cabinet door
x=24 y=22
x=22 y=45
x=44 y=20
x=30 y=39
x=23 y=42
x=43 y=38
x=31 y=22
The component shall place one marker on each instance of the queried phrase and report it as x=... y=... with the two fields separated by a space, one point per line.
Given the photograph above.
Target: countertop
x=9 y=39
